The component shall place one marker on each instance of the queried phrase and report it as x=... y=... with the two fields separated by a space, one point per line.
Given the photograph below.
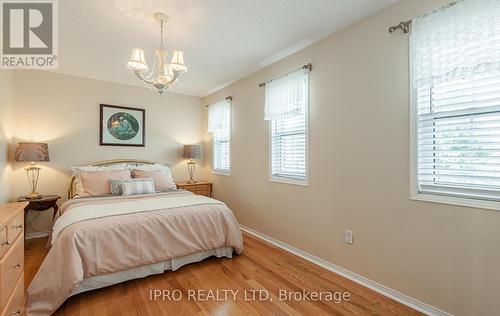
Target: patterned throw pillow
x=139 y=187
x=116 y=184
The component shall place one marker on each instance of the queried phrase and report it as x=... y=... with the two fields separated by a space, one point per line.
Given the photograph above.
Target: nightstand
x=200 y=188
x=42 y=204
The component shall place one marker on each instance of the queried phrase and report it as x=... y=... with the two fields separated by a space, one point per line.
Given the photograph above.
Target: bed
x=104 y=240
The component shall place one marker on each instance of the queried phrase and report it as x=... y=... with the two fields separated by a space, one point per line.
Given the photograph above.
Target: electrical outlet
x=348 y=236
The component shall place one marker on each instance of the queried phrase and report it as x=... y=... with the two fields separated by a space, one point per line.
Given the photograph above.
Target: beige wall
x=446 y=256
x=6 y=106
x=64 y=111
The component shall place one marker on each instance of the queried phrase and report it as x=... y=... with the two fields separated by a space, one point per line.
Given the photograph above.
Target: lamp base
x=33 y=196
x=33 y=173
x=191 y=166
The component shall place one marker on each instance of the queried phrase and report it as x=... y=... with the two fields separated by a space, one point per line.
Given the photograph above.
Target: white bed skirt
x=104 y=280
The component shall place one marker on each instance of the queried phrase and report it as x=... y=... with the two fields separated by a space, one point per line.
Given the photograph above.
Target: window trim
x=415 y=195
x=219 y=172
x=285 y=180
x=222 y=172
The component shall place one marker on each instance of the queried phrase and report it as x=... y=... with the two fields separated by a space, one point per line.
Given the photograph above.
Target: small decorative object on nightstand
x=191 y=152
x=200 y=188
x=32 y=152
x=44 y=203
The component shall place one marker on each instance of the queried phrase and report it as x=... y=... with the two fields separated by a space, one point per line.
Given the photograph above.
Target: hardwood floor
x=260 y=267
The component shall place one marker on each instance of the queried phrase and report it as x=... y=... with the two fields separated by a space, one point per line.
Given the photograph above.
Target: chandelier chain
x=161 y=34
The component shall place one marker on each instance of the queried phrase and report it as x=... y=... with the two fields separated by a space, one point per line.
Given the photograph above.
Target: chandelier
x=163 y=75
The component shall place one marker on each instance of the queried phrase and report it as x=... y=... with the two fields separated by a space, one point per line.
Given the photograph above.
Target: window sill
x=303 y=183
x=221 y=173
x=467 y=202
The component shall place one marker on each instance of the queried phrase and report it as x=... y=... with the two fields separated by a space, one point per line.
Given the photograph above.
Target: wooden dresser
x=12 y=258
x=200 y=188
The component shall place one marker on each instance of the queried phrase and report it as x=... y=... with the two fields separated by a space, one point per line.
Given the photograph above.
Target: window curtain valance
x=459 y=41
x=219 y=116
x=286 y=97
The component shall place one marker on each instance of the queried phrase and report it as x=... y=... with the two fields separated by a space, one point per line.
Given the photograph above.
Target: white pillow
x=147 y=186
x=155 y=167
x=78 y=170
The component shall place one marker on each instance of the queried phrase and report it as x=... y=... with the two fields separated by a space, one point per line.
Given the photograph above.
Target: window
x=287 y=102
x=456 y=105
x=219 y=123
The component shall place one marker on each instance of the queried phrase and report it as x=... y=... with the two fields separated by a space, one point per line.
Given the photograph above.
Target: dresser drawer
x=202 y=187
x=203 y=192
x=190 y=189
x=11 y=267
x=4 y=244
x=15 y=304
x=15 y=227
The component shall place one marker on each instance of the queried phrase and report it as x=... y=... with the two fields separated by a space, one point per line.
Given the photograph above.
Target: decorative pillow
x=116 y=184
x=162 y=178
x=78 y=185
x=144 y=186
x=97 y=182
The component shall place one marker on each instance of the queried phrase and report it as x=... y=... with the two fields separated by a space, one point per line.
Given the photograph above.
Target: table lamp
x=191 y=152
x=32 y=152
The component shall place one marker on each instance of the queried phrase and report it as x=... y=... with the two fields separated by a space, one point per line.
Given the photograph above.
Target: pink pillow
x=163 y=178
x=97 y=182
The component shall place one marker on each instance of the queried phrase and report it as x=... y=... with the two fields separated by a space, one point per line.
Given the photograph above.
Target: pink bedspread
x=115 y=243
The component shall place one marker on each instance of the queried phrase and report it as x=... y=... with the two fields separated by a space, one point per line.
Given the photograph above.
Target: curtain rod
x=308 y=66
x=405 y=25
x=229 y=98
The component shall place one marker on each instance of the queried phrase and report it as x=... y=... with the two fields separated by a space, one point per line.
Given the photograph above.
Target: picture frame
x=122 y=126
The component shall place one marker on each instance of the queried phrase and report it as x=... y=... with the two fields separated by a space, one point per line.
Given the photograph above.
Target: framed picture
x=122 y=126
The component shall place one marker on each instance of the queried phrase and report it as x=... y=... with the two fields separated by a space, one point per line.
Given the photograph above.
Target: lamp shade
x=191 y=151
x=31 y=152
x=137 y=61
x=177 y=62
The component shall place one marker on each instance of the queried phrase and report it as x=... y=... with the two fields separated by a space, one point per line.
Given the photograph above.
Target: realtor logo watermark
x=29 y=31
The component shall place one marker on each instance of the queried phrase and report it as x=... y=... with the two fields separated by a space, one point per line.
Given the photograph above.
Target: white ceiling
x=222 y=40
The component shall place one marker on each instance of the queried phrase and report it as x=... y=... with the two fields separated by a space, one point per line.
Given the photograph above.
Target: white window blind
x=459 y=138
x=219 y=123
x=289 y=147
x=287 y=105
x=456 y=84
x=222 y=149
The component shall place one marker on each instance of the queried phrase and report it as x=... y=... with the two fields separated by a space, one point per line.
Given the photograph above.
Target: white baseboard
x=377 y=287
